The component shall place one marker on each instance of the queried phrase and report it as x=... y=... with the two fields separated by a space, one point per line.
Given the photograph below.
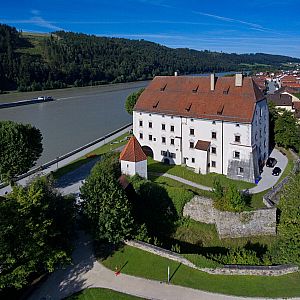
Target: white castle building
x=210 y=124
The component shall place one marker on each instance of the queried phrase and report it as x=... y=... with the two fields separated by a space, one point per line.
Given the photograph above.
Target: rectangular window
x=193 y=160
x=172 y=142
x=141 y=123
x=163 y=126
x=172 y=155
x=213 y=150
x=191 y=144
x=172 y=128
x=236 y=154
x=150 y=137
x=240 y=170
x=141 y=136
x=237 y=138
x=163 y=140
x=192 y=131
x=150 y=124
x=213 y=164
x=163 y=153
x=214 y=135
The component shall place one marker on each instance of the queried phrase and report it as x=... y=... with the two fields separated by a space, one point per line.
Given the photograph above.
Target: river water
x=76 y=117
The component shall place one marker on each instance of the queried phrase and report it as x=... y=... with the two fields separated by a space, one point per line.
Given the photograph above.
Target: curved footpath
x=87 y=272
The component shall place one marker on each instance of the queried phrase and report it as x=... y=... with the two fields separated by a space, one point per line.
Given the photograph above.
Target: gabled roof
x=202 y=145
x=133 y=151
x=191 y=96
x=280 y=99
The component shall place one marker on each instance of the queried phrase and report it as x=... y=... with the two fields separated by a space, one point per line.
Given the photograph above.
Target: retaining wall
x=230 y=224
x=225 y=270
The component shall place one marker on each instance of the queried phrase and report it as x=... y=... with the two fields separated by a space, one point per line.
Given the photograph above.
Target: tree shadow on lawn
x=81 y=171
x=153 y=206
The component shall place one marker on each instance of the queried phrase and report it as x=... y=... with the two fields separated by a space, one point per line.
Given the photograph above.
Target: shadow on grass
x=104 y=250
x=74 y=165
x=175 y=271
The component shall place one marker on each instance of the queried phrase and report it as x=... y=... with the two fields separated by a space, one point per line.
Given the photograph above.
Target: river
x=76 y=117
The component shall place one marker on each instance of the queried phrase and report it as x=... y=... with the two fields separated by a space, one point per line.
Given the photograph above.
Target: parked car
x=271 y=162
x=276 y=171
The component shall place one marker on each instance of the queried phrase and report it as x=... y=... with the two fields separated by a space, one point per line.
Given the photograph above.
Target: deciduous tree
x=131 y=101
x=35 y=230
x=105 y=203
x=20 y=147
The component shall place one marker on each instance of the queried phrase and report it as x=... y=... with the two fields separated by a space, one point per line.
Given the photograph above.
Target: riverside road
x=77 y=116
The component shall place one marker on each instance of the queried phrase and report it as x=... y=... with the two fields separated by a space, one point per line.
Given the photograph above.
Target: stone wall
x=230 y=224
x=226 y=270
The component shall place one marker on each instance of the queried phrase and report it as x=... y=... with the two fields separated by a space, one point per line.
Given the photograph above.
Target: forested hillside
x=35 y=62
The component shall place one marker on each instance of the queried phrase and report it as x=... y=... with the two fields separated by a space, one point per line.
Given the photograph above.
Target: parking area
x=267 y=179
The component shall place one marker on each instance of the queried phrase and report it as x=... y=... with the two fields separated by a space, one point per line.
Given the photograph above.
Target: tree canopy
x=105 y=204
x=29 y=62
x=20 y=147
x=131 y=100
x=35 y=231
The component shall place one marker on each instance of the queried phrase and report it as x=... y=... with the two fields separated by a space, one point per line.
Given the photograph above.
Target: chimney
x=238 y=79
x=212 y=81
x=176 y=73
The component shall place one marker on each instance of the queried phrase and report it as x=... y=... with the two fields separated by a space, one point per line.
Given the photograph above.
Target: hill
x=60 y=59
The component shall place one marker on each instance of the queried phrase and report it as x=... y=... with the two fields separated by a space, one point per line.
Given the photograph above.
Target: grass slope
x=101 y=294
x=140 y=263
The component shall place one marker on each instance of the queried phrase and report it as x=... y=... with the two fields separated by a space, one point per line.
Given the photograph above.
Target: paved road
x=268 y=180
x=87 y=272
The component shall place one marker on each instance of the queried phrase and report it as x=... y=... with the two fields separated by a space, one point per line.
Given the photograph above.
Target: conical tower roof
x=133 y=151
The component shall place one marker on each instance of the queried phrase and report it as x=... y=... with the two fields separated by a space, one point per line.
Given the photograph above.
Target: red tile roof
x=191 y=96
x=291 y=84
x=202 y=145
x=133 y=151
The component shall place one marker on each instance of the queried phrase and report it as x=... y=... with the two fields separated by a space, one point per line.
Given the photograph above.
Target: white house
x=210 y=124
x=133 y=159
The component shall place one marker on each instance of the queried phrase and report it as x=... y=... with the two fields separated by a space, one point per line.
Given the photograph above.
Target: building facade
x=210 y=124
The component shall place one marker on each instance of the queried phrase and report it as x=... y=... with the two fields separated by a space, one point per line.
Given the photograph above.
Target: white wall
x=157 y=133
x=132 y=168
x=260 y=129
x=251 y=135
x=127 y=167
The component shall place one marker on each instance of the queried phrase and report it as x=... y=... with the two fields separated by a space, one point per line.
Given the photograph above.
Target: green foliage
x=287 y=131
x=218 y=190
x=201 y=261
x=238 y=256
x=20 y=147
x=106 y=205
x=66 y=58
x=131 y=100
x=35 y=231
x=288 y=248
x=154 y=207
x=228 y=198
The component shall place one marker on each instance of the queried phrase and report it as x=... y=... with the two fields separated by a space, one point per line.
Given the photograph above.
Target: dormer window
x=237 y=138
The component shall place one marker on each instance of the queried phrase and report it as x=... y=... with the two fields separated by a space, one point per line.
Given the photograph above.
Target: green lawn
x=207 y=180
x=101 y=294
x=116 y=143
x=140 y=263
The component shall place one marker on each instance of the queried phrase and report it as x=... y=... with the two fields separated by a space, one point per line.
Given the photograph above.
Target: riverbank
x=23 y=102
x=71 y=91
x=66 y=159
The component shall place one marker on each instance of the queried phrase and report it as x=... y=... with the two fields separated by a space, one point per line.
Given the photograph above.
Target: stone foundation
x=230 y=224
